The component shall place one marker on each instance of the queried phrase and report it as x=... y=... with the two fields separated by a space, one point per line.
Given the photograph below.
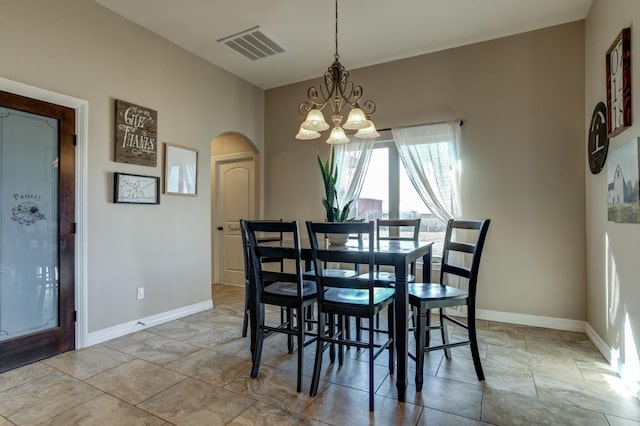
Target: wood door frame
x=216 y=161
x=81 y=108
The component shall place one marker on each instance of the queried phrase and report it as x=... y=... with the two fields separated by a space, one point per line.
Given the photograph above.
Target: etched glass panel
x=28 y=223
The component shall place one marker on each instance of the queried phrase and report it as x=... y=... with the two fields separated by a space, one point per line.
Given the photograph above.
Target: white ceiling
x=370 y=31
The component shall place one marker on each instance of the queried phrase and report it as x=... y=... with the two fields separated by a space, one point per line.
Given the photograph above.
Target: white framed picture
x=180 y=170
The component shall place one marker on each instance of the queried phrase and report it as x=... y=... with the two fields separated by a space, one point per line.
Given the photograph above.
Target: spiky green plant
x=329 y=172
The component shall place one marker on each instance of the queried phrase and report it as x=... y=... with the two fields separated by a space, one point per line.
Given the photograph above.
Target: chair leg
x=330 y=333
x=257 y=350
x=421 y=322
x=340 y=335
x=347 y=328
x=290 y=327
x=300 y=325
x=245 y=321
x=445 y=334
x=473 y=337
x=427 y=342
x=371 y=350
x=392 y=339
x=309 y=313
x=317 y=365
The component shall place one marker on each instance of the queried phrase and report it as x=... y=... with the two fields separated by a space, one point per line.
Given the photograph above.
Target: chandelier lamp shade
x=341 y=95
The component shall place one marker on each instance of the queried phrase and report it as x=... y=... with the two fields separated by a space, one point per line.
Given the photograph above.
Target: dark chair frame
x=247 y=268
x=284 y=289
x=387 y=278
x=399 y=223
x=424 y=297
x=340 y=297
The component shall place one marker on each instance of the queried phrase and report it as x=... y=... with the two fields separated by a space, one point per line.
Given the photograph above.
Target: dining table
x=394 y=253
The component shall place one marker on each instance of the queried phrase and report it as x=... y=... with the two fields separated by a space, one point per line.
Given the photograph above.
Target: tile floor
x=195 y=371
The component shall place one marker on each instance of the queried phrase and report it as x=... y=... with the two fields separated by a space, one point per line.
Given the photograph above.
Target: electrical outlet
x=140 y=293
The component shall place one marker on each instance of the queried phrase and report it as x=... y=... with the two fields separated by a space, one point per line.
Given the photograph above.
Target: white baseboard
x=140 y=324
x=628 y=373
x=602 y=346
x=532 y=320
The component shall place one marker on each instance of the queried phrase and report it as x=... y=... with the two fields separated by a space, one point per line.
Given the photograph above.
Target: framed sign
x=136 y=189
x=619 y=83
x=180 y=170
x=136 y=134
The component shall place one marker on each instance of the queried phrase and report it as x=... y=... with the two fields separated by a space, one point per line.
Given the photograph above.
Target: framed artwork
x=136 y=134
x=180 y=170
x=619 y=83
x=136 y=189
x=624 y=183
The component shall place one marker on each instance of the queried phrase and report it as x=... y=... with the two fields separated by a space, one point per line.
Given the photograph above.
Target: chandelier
x=337 y=91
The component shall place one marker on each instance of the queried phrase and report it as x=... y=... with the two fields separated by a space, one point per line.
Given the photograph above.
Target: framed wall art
x=619 y=83
x=136 y=189
x=623 y=187
x=180 y=170
x=136 y=134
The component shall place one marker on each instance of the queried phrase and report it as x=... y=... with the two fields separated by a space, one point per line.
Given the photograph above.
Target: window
x=387 y=193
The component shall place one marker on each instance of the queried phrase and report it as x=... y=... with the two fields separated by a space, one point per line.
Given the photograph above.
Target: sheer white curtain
x=429 y=154
x=352 y=160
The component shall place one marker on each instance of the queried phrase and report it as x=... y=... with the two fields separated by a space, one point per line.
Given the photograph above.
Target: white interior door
x=236 y=200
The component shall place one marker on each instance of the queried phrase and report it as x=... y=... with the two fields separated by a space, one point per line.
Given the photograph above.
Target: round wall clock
x=598 y=139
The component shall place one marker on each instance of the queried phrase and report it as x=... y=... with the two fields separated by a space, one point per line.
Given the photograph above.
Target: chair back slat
x=273 y=276
x=261 y=251
x=398 y=224
x=456 y=253
x=462 y=247
x=275 y=252
x=456 y=270
x=467 y=224
x=322 y=253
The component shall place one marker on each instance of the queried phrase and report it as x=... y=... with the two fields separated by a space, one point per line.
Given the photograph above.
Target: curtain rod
x=424 y=124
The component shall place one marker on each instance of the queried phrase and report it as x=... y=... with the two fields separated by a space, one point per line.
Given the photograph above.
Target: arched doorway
x=235 y=189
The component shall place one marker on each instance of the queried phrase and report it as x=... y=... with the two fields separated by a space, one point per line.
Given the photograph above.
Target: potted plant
x=335 y=213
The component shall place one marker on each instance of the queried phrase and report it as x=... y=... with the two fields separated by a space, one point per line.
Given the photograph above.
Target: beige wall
x=81 y=49
x=613 y=291
x=522 y=102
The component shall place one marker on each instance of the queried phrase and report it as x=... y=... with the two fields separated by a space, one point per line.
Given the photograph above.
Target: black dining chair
x=247 y=267
x=427 y=296
x=396 y=230
x=277 y=288
x=340 y=297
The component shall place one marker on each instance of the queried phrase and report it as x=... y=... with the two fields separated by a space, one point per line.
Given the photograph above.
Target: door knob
x=220 y=228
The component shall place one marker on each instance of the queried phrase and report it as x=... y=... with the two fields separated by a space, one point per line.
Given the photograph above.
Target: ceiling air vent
x=253 y=44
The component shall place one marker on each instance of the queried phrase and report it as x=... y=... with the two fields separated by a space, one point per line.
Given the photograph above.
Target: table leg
x=426 y=266
x=402 y=329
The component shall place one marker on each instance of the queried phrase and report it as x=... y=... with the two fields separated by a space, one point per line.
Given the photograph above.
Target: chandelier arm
x=368 y=107
x=313 y=101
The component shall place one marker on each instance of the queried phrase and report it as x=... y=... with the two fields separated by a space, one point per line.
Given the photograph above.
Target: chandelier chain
x=336 y=56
